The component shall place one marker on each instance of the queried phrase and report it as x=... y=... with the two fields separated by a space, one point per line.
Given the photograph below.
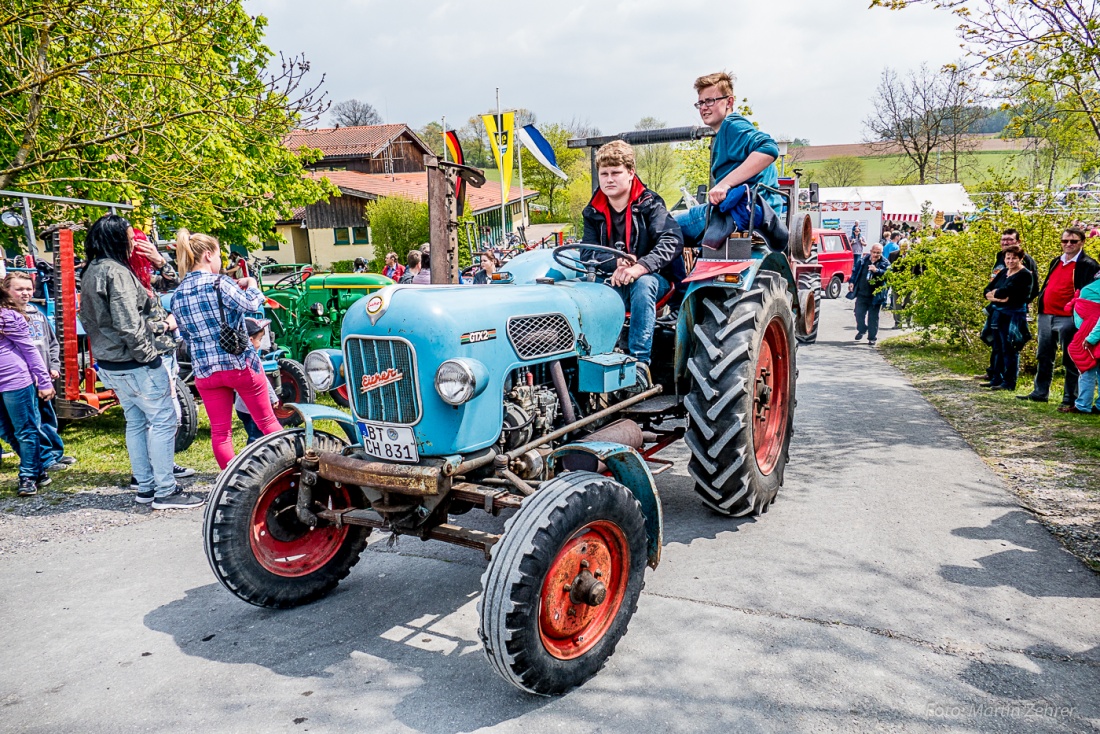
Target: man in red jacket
x=1069 y=273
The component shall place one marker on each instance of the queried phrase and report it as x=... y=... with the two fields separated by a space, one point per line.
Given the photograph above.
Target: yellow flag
x=500 y=140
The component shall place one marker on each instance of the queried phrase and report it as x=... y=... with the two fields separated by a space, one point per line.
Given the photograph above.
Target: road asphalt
x=894 y=586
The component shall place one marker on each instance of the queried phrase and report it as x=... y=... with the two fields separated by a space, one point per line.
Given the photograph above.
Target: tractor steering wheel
x=294 y=280
x=589 y=266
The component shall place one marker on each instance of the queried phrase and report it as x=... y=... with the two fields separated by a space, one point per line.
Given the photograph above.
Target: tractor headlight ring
x=322 y=367
x=317 y=309
x=460 y=380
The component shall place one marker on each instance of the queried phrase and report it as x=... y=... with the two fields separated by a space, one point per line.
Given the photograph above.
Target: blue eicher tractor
x=514 y=398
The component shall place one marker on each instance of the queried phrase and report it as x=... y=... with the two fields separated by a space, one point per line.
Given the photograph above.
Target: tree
x=154 y=102
x=695 y=164
x=961 y=114
x=909 y=116
x=655 y=163
x=353 y=113
x=475 y=143
x=840 y=171
x=396 y=224
x=432 y=135
x=551 y=188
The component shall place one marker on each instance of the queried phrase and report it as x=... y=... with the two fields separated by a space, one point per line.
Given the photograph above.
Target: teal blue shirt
x=736 y=139
x=1090 y=292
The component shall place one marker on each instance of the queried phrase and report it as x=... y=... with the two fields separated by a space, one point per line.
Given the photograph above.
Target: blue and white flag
x=534 y=142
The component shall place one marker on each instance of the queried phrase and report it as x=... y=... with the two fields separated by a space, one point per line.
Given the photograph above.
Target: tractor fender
x=313 y=412
x=629 y=469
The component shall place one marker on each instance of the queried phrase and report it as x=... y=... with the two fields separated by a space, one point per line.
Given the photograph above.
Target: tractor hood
x=500 y=327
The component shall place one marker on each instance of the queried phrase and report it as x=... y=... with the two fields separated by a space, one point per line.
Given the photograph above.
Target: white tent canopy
x=905 y=202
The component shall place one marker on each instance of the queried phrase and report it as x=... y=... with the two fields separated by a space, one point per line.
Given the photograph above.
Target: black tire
x=189 y=417
x=295 y=388
x=539 y=547
x=340 y=396
x=722 y=403
x=809 y=297
x=835 y=287
x=267 y=570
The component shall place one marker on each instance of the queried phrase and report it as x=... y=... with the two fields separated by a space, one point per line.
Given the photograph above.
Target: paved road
x=894 y=586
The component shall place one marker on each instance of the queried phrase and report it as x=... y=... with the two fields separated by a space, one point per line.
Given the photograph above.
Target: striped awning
x=901 y=217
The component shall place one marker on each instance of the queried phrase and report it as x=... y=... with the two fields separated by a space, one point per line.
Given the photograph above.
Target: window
x=360 y=235
x=831 y=243
x=341 y=235
x=515 y=208
x=271 y=246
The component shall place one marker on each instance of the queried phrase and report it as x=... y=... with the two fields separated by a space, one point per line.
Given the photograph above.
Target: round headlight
x=455 y=383
x=317 y=309
x=320 y=371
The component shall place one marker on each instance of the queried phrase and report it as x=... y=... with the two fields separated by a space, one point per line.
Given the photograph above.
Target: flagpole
x=500 y=170
x=444 y=138
x=519 y=160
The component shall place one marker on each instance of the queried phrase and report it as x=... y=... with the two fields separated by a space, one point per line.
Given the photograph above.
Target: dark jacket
x=873 y=287
x=652 y=235
x=1030 y=265
x=1016 y=288
x=117 y=314
x=1083 y=274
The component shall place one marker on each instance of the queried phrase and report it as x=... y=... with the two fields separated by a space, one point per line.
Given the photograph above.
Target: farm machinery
x=515 y=399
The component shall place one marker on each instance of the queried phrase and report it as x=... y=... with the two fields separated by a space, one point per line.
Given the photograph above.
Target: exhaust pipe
x=625 y=432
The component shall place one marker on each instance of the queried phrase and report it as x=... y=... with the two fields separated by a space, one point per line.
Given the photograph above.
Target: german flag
x=454 y=148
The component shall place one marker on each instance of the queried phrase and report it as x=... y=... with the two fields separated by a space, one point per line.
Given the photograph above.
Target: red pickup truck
x=834 y=253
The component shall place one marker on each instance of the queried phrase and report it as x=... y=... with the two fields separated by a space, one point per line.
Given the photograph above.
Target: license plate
x=389 y=443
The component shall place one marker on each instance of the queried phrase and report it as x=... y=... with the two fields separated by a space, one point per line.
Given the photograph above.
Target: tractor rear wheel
x=741 y=404
x=563 y=583
x=295 y=387
x=188 y=427
x=254 y=541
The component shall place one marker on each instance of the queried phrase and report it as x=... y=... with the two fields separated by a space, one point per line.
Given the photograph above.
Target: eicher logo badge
x=479 y=336
x=375 y=381
x=374 y=304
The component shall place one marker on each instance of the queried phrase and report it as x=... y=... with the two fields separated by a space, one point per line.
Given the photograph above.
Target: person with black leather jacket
x=623 y=214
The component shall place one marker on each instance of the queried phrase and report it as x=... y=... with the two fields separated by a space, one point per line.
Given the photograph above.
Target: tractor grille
x=395 y=401
x=540 y=336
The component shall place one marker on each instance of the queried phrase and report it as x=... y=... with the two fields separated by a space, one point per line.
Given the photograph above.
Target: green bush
x=343 y=266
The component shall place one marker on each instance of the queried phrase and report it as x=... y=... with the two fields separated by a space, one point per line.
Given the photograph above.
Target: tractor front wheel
x=563 y=583
x=741 y=404
x=254 y=541
x=340 y=396
x=295 y=387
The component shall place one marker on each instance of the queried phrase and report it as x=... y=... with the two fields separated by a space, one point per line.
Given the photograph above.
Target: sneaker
x=859 y=335
x=1032 y=397
x=872 y=342
x=984 y=377
x=1073 y=409
x=133 y=483
x=44 y=480
x=67 y=460
x=177 y=501
x=179 y=472
x=58 y=466
x=27 y=487
x=145 y=498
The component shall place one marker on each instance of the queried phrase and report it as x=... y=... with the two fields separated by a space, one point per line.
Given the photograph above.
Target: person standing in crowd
x=489 y=265
x=1011 y=237
x=858 y=243
x=412 y=268
x=892 y=245
x=1083 y=349
x=424 y=275
x=53 y=447
x=868 y=287
x=204 y=301
x=393 y=269
x=1067 y=274
x=1007 y=294
x=24 y=380
x=256 y=329
x=123 y=324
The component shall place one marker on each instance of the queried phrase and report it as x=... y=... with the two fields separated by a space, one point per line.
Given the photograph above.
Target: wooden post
x=442 y=224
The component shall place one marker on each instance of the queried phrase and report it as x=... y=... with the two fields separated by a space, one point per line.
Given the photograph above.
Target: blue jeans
x=53 y=448
x=641 y=298
x=1087 y=385
x=19 y=426
x=693 y=222
x=250 y=428
x=867 y=311
x=1006 y=360
x=147 y=399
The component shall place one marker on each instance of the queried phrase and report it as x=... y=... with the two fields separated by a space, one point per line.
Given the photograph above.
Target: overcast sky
x=808 y=68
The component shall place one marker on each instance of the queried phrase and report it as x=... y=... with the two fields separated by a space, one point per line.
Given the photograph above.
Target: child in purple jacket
x=23 y=379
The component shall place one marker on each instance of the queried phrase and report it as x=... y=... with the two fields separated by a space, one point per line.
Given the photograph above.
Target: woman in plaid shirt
x=219 y=375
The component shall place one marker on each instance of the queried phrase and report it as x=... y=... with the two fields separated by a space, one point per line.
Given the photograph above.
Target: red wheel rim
x=568 y=628
x=290 y=394
x=772 y=393
x=284 y=545
x=342 y=391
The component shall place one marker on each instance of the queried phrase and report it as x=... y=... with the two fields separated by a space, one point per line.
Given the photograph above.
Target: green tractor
x=306 y=308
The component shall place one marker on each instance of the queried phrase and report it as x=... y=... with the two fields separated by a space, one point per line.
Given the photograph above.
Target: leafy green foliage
x=398 y=225
x=157 y=103
x=343 y=266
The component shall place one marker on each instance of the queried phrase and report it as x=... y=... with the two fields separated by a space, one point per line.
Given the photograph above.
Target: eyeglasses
x=709 y=102
x=1071 y=242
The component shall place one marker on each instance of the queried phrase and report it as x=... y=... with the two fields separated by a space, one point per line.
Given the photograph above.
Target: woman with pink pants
x=219 y=375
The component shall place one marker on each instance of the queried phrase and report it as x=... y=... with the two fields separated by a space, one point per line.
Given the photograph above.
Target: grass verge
x=1050 y=460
